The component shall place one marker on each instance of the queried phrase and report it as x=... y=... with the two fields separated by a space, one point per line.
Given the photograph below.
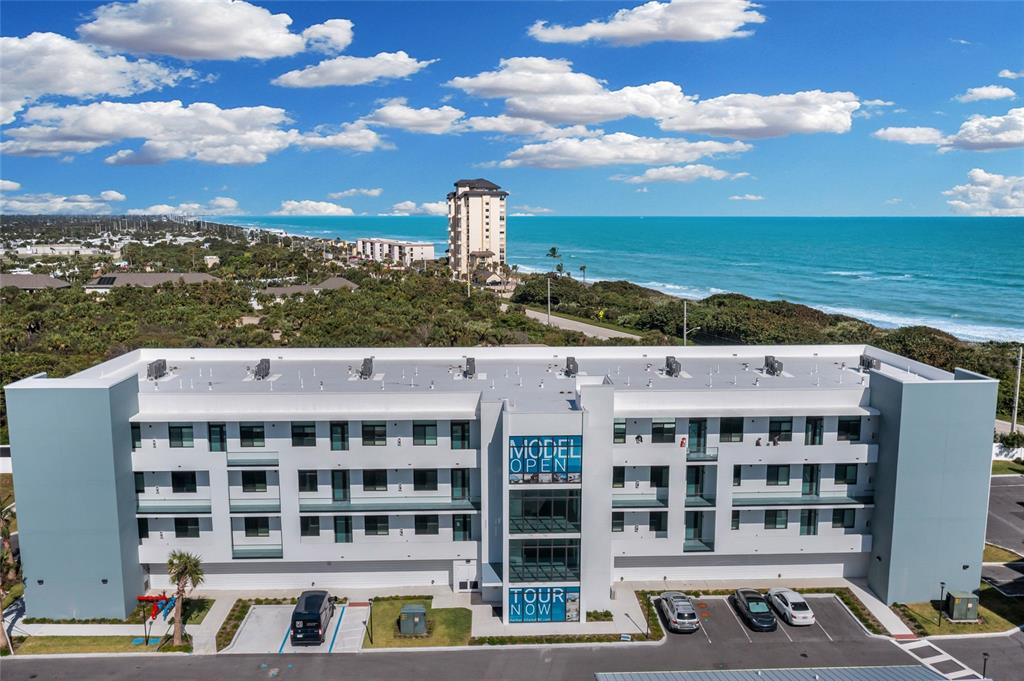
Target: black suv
x=310 y=618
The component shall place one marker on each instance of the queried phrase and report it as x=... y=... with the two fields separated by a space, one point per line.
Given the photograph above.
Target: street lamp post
x=984 y=665
x=942 y=595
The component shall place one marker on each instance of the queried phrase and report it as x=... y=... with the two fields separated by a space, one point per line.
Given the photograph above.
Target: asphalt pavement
x=1006 y=512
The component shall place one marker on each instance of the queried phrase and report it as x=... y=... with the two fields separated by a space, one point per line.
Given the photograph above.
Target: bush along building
x=536 y=476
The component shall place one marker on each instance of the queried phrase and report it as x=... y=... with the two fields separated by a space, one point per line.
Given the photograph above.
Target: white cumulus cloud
x=977 y=133
x=220 y=205
x=987 y=194
x=1011 y=75
x=678 y=20
x=111 y=195
x=307 y=207
x=528 y=76
x=527 y=127
x=356 y=191
x=533 y=210
x=616 y=148
x=395 y=113
x=334 y=35
x=413 y=208
x=353 y=70
x=349 y=136
x=689 y=173
x=9 y=186
x=913 y=135
x=42 y=64
x=986 y=92
x=55 y=204
x=746 y=197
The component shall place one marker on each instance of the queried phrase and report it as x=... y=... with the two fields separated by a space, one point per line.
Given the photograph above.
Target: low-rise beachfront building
x=394 y=251
x=476 y=227
x=31 y=282
x=537 y=476
x=105 y=282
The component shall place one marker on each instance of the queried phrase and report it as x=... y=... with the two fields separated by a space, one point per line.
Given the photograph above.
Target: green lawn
x=55 y=645
x=998 y=613
x=1004 y=466
x=996 y=554
x=447 y=626
x=6 y=486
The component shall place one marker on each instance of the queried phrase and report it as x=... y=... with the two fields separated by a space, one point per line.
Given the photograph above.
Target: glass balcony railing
x=698 y=546
x=257 y=551
x=639 y=501
x=258 y=505
x=172 y=506
x=702 y=454
x=254 y=457
x=700 y=499
x=535 y=525
x=802 y=500
x=543 y=572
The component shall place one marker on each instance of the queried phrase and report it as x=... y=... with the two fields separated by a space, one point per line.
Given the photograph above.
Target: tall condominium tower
x=476 y=227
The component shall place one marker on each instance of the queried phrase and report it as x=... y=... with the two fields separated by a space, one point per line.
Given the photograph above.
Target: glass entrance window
x=539 y=560
x=339 y=486
x=543 y=511
x=663 y=430
x=697 y=441
x=780 y=429
x=811 y=478
x=342 y=529
x=814 y=430
x=809 y=521
x=462 y=527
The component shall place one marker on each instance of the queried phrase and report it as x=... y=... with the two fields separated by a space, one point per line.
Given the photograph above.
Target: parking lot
x=267 y=629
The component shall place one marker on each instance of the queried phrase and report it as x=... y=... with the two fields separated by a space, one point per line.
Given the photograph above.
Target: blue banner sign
x=545 y=458
x=544 y=604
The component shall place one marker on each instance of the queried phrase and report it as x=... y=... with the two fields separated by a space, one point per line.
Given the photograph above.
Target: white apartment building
x=529 y=474
x=396 y=252
x=476 y=227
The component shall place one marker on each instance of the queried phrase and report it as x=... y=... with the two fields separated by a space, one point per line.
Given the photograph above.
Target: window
x=778 y=475
x=618 y=521
x=659 y=476
x=183 y=482
x=308 y=481
x=735 y=520
x=536 y=560
x=460 y=434
x=809 y=522
x=143 y=528
x=462 y=527
x=136 y=436
x=776 y=520
x=180 y=436
x=543 y=510
x=140 y=483
x=846 y=474
x=780 y=429
x=849 y=429
x=618 y=476
x=737 y=475
x=303 y=434
x=426 y=524
x=342 y=529
x=254 y=481
x=257 y=527
x=251 y=435
x=731 y=429
x=375 y=433
x=814 y=430
x=663 y=430
x=658 y=521
x=309 y=526
x=619 y=433
x=375 y=480
x=186 y=528
x=424 y=433
x=844 y=518
x=424 y=479
x=339 y=436
x=376 y=525
x=217 y=434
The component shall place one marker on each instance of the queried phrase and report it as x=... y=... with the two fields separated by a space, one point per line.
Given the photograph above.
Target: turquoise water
x=963 y=275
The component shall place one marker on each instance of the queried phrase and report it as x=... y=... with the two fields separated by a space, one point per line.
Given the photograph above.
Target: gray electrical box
x=156 y=369
x=961 y=606
x=412 y=620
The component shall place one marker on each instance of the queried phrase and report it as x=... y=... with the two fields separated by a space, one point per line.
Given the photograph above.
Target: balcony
x=543 y=572
x=393 y=504
x=171 y=506
x=698 y=546
x=257 y=551
x=533 y=525
x=252 y=458
x=639 y=501
x=255 y=505
x=802 y=500
x=702 y=454
x=700 y=500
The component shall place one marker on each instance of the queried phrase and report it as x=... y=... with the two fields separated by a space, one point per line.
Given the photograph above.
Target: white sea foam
x=965 y=331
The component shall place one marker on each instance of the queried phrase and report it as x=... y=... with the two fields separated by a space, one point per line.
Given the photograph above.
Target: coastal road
x=573 y=325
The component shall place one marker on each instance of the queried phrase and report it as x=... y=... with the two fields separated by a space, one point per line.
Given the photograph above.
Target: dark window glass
x=543 y=511
x=778 y=475
x=136 y=436
x=462 y=527
x=809 y=521
x=309 y=526
x=254 y=481
x=375 y=433
x=375 y=480
x=143 y=528
x=619 y=434
x=376 y=525
x=737 y=475
x=183 y=482
x=618 y=476
x=180 y=436
x=780 y=429
x=776 y=519
x=342 y=529
x=537 y=560
x=844 y=518
x=426 y=524
x=849 y=429
x=460 y=434
x=251 y=435
x=257 y=527
x=663 y=430
x=218 y=437
x=658 y=521
x=618 y=521
x=814 y=430
x=424 y=433
x=659 y=476
x=339 y=436
x=846 y=474
x=140 y=483
x=308 y=481
x=303 y=434
x=186 y=528
x=731 y=429
x=735 y=520
x=424 y=479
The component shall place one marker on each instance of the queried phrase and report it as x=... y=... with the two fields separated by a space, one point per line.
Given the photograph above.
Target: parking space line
x=822 y=629
x=736 y=617
x=336 y=626
x=782 y=625
x=285 y=639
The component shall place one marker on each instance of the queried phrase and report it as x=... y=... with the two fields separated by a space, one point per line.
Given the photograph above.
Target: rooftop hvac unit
x=470 y=370
x=961 y=606
x=156 y=369
x=772 y=366
x=262 y=369
x=672 y=367
x=571 y=367
x=869 y=363
x=366 y=370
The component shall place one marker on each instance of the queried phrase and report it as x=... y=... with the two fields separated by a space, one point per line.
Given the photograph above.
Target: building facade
x=476 y=227
x=405 y=253
x=536 y=476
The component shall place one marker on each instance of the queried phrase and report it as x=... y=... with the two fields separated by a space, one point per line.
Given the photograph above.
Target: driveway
x=266 y=630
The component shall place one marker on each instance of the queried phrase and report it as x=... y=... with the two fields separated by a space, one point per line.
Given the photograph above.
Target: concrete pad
x=264 y=630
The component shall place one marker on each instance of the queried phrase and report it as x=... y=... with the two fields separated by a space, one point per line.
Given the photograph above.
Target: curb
x=987 y=634
x=518 y=646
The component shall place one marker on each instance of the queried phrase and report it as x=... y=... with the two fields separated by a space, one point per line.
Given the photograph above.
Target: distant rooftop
x=330 y=284
x=148 y=279
x=478 y=183
x=31 y=282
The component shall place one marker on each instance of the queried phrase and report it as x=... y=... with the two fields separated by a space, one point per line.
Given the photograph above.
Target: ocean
x=960 y=274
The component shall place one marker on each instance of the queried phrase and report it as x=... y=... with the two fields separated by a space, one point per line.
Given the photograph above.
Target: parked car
x=754 y=609
x=677 y=610
x=310 y=618
x=791 y=607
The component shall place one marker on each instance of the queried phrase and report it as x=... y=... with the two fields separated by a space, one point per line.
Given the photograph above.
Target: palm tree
x=560 y=268
x=185 y=570
x=553 y=252
x=583 y=271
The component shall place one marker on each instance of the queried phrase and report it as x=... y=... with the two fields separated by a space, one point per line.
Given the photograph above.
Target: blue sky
x=729 y=108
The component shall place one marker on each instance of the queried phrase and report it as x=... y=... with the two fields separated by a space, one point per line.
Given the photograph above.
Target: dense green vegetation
x=736 y=319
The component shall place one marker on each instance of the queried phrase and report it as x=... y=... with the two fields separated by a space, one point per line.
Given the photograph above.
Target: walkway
x=936 y=659
x=591 y=330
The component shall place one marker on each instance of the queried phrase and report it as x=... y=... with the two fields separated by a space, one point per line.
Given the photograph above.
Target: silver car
x=677 y=610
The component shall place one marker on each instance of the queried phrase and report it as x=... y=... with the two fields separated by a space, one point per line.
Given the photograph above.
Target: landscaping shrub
x=599 y=615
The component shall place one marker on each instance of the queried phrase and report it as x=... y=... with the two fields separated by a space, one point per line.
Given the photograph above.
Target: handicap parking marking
x=337 y=625
x=285 y=639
